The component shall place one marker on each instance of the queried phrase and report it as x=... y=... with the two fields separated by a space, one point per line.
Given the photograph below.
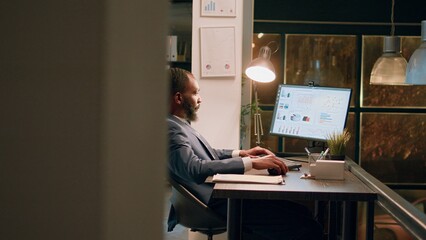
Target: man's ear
x=178 y=98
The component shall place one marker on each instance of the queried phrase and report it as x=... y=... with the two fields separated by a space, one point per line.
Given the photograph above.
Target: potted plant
x=336 y=142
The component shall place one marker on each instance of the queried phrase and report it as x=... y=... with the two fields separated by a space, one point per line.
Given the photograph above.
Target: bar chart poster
x=218 y=8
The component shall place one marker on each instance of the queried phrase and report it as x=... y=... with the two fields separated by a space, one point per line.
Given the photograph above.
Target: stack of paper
x=240 y=178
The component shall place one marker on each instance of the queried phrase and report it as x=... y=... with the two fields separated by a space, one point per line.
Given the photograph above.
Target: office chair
x=194 y=214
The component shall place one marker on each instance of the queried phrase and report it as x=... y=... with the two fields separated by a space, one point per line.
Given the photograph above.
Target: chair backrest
x=192 y=213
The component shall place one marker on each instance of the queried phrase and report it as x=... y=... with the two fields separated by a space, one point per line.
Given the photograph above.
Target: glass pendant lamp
x=416 y=70
x=390 y=68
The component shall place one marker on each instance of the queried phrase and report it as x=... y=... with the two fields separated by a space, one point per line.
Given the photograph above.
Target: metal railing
x=410 y=218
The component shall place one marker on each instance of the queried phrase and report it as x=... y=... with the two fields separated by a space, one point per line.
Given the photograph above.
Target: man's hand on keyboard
x=256 y=151
x=270 y=162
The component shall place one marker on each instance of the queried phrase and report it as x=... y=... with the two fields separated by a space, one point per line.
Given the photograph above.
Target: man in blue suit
x=192 y=160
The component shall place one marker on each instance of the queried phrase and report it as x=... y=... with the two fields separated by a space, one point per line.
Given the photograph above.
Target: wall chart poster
x=217 y=51
x=218 y=8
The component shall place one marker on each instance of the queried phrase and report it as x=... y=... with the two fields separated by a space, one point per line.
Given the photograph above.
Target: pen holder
x=313 y=157
x=327 y=169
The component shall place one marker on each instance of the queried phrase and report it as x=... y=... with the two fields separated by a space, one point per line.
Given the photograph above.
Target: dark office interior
x=83 y=102
x=386 y=121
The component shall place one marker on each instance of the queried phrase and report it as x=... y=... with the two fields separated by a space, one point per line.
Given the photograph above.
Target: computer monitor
x=310 y=112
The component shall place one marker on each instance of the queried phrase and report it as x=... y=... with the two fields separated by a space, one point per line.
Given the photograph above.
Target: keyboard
x=292 y=165
x=298 y=158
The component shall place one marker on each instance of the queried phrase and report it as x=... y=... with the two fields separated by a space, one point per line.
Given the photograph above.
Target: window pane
x=393 y=147
x=388 y=95
x=327 y=60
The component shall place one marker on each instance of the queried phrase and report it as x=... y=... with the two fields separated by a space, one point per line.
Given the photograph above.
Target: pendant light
x=390 y=68
x=416 y=70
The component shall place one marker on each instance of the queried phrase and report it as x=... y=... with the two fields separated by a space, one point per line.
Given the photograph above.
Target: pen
x=326 y=152
x=309 y=155
x=306 y=149
x=320 y=156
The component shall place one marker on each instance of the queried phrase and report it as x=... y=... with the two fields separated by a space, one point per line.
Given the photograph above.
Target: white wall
x=219 y=115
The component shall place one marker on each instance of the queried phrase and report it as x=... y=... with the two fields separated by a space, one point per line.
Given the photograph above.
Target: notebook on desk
x=245 y=178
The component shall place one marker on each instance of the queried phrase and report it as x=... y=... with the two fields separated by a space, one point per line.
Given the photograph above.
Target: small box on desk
x=328 y=169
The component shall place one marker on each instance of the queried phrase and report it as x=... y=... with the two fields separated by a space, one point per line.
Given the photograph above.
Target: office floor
x=180 y=232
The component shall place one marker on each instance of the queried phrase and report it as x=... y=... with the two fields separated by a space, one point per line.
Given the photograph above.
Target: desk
x=349 y=190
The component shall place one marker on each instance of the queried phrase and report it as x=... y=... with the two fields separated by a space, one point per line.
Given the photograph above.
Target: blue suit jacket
x=192 y=160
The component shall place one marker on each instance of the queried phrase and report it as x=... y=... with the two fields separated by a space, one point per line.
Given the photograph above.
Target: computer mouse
x=273 y=172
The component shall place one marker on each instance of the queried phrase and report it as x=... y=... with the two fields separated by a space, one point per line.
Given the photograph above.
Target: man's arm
x=260 y=158
x=189 y=160
x=256 y=151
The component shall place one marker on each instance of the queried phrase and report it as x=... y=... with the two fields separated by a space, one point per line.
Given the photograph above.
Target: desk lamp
x=391 y=67
x=260 y=70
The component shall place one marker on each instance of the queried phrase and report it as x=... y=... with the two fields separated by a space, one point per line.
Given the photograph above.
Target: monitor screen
x=310 y=112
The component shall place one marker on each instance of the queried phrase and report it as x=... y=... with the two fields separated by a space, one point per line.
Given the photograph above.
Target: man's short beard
x=190 y=112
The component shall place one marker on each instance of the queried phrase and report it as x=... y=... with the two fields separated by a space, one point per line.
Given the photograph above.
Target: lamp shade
x=261 y=68
x=416 y=69
x=390 y=68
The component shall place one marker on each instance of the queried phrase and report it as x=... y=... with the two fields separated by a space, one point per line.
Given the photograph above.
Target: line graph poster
x=217 y=51
x=218 y=8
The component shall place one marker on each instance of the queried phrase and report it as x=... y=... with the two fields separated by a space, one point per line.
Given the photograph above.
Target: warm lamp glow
x=416 y=70
x=261 y=68
x=260 y=74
